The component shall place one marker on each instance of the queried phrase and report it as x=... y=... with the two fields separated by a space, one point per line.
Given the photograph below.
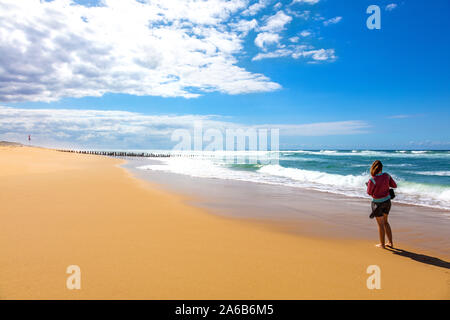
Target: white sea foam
x=374 y=153
x=315 y=177
x=401 y=165
x=350 y=185
x=422 y=194
x=432 y=173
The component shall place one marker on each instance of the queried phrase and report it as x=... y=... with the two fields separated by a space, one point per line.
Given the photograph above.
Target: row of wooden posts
x=119 y=153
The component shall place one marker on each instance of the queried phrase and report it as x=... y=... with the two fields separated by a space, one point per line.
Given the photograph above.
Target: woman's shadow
x=420 y=258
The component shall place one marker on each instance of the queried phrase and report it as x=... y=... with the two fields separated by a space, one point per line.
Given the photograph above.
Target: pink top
x=379 y=185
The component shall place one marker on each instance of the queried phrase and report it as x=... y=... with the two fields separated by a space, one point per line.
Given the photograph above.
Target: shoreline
x=288 y=208
x=134 y=240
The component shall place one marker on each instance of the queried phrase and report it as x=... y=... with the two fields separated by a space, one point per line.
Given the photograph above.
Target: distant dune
x=10 y=144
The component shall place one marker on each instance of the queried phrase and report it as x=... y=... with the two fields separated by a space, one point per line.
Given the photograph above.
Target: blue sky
x=286 y=63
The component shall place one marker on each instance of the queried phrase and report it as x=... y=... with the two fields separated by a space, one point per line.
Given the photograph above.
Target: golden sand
x=134 y=241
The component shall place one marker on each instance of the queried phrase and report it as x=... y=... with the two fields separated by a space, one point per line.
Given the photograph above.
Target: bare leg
x=387 y=227
x=381 y=230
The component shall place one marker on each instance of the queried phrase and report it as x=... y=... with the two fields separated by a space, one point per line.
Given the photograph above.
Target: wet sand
x=304 y=211
x=134 y=240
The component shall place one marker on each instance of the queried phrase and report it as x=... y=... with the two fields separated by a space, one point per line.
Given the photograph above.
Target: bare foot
x=380 y=246
x=390 y=245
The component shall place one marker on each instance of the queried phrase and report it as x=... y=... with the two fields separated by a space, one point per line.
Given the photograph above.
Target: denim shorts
x=380 y=208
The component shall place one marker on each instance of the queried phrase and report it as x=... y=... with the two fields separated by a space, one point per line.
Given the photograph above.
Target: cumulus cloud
x=334 y=20
x=265 y=38
x=59 y=48
x=244 y=26
x=122 y=129
x=256 y=7
x=178 y=48
x=277 y=22
x=273 y=27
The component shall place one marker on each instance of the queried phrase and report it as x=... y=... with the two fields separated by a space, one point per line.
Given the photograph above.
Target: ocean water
x=423 y=177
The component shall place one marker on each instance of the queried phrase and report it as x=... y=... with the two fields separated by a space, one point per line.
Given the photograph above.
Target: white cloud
x=299 y=51
x=176 y=48
x=305 y=1
x=256 y=7
x=305 y=33
x=274 y=54
x=391 y=7
x=317 y=55
x=277 y=22
x=55 y=49
x=265 y=38
x=305 y=14
x=278 y=5
x=334 y=20
x=244 y=25
x=58 y=127
x=116 y=129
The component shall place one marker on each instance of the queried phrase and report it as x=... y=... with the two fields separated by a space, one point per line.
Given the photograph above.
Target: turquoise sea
x=423 y=176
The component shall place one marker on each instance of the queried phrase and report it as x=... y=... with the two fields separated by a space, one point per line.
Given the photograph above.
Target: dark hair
x=376 y=168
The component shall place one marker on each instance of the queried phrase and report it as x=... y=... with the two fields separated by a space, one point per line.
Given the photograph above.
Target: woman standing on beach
x=378 y=188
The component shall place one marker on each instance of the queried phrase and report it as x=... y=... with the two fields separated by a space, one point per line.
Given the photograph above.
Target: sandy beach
x=135 y=240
